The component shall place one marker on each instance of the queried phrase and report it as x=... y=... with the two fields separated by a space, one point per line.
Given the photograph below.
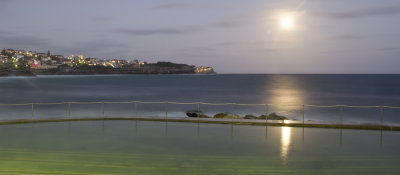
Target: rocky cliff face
x=7 y=71
x=156 y=68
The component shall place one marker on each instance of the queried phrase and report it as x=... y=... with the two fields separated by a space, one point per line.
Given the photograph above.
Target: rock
x=262 y=117
x=220 y=115
x=194 y=113
x=204 y=116
x=272 y=116
x=234 y=116
x=191 y=114
x=227 y=116
x=250 y=117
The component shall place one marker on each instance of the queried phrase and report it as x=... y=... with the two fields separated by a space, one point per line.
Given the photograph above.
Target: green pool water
x=139 y=147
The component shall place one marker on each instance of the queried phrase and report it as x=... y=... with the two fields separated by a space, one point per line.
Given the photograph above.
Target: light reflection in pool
x=285 y=143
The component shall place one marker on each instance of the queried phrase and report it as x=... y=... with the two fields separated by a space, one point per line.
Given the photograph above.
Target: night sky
x=233 y=36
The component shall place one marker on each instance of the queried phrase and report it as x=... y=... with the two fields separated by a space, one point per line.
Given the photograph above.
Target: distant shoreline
x=157 y=68
x=31 y=74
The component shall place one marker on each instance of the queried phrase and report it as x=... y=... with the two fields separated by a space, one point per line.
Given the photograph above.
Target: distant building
x=57 y=57
x=10 y=51
x=43 y=56
x=204 y=70
x=4 y=59
x=30 y=53
x=36 y=64
x=19 y=56
x=20 y=51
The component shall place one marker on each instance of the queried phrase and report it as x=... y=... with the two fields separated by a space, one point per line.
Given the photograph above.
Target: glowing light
x=285 y=143
x=287 y=22
x=285 y=95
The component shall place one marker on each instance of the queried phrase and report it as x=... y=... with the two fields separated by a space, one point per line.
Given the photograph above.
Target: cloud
x=102 y=44
x=348 y=37
x=95 y=48
x=364 y=13
x=161 y=31
x=3 y=4
x=169 y=6
x=388 y=49
x=267 y=50
x=23 y=42
x=228 y=43
x=229 y=23
x=103 y=19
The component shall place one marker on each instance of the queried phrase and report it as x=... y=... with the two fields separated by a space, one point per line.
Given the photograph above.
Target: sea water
x=285 y=93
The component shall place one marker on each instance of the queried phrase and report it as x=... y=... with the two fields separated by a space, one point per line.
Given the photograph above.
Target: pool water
x=142 y=147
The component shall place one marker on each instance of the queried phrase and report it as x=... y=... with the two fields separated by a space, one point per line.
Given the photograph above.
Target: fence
x=170 y=111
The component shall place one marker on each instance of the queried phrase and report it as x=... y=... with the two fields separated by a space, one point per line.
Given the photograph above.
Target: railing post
x=69 y=110
x=32 y=112
x=303 y=114
x=102 y=109
x=233 y=105
x=198 y=112
x=136 y=116
x=266 y=113
x=166 y=110
x=381 y=108
x=341 y=115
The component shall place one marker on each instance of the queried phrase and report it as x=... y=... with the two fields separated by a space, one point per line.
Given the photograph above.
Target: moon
x=287 y=22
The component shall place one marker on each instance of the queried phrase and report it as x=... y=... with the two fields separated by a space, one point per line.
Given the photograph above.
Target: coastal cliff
x=31 y=63
x=84 y=69
x=7 y=71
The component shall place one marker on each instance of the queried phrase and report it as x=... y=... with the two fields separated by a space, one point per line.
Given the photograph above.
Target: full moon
x=287 y=22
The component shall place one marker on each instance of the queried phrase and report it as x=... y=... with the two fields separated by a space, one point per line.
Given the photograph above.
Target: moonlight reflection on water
x=285 y=143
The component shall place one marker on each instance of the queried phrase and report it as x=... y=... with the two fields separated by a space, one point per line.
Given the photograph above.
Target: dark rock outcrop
x=6 y=71
x=204 y=116
x=227 y=116
x=192 y=113
x=196 y=114
x=199 y=114
x=272 y=116
x=220 y=115
x=249 y=116
x=262 y=117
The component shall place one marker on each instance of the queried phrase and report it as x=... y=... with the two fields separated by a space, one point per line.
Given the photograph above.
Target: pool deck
x=289 y=123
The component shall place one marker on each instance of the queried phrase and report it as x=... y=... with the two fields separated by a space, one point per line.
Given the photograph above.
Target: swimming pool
x=147 y=147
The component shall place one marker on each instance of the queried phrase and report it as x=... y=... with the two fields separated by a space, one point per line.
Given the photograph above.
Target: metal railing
x=198 y=106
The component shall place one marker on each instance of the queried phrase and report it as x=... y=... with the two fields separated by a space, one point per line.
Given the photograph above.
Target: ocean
x=285 y=95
